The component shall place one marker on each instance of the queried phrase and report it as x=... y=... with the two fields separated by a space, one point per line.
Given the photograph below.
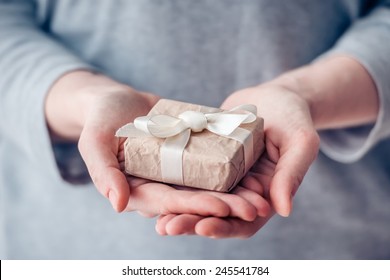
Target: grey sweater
x=197 y=51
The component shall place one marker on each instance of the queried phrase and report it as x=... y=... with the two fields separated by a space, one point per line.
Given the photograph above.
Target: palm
x=257 y=181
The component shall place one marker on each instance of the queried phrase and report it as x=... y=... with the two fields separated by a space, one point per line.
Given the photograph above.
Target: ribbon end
x=125 y=130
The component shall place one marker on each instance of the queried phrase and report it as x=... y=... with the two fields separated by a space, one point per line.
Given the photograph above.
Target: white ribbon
x=177 y=132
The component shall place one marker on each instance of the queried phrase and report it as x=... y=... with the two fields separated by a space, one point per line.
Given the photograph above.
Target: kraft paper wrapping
x=210 y=161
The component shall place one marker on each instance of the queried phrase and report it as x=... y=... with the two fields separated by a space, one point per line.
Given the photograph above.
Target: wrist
x=338 y=90
x=297 y=83
x=70 y=99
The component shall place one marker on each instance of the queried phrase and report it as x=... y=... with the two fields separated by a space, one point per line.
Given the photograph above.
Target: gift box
x=192 y=145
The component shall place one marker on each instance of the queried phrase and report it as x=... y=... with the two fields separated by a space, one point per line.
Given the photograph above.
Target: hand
x=292 y=144
x=100 y=148
x=260 y=176
x=291 y=141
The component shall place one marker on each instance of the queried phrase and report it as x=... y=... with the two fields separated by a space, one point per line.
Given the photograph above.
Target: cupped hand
x=291 y=140
x=214 y=227
x=98 y=145
x=292 y=144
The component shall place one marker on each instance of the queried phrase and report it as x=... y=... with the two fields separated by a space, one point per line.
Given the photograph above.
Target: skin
x=333 y=93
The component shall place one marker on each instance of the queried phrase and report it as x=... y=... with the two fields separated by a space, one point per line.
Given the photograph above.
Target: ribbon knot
x=177 y=132
x=196 y=121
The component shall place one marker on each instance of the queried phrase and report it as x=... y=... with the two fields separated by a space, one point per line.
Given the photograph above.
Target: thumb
x=290 y=171
x=100 y=157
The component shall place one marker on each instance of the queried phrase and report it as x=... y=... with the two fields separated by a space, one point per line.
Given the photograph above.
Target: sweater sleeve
x=30 y=62
x=367 y=41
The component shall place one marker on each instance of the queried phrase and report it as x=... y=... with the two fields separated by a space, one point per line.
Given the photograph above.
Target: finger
x=262 y=206
x=289 y=172
x=250 y=182
x=121 y=158
x=162 y=222
x=239 y=207
x=260 y=175
x=135 y=182
x=182 y=224
x=265 y=165
x=146 y=214
x=103 y=167
x=161 y=199
x=228 y=228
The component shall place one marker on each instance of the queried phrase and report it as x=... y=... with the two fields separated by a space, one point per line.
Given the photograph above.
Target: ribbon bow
x=177 y=132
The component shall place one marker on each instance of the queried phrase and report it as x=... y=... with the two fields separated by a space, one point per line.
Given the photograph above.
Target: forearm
x=339 y=91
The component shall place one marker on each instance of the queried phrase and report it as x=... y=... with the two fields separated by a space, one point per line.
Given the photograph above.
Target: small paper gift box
x=192 y=145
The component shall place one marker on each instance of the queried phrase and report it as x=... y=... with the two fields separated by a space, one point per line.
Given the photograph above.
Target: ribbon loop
x=164 y=126
x=224 y=124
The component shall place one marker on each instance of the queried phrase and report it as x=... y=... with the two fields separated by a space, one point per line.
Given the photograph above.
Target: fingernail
x=113 y=198
x=288 y=211
x=284 y=214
